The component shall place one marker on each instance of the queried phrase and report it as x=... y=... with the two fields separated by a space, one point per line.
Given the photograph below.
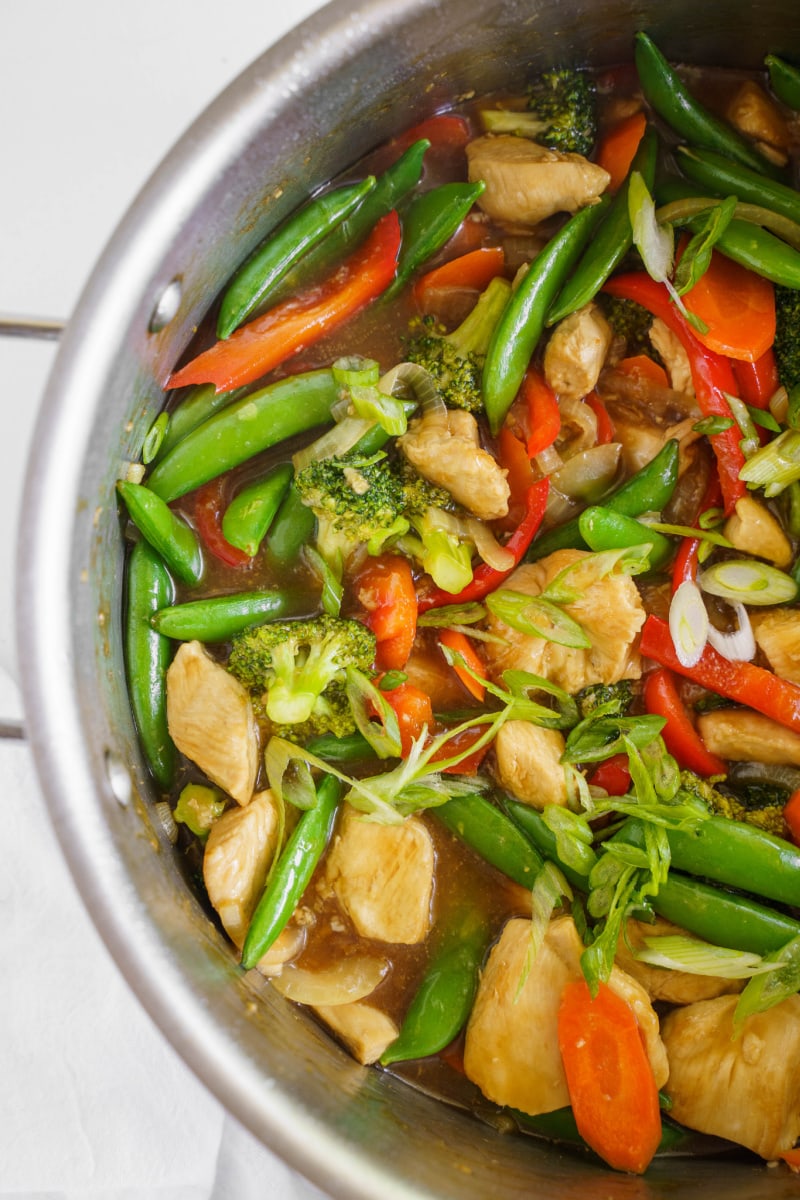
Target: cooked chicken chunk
x=746 y=1089
x=511 y=1047
x=364 y=1029
x=238 y=853
x=777 y=633
x=211 y=720
x=741 y=735
x=610 y=612
x=757 y=116
x=526 y=183
x=675 y=358
x=445 y=448
x=754 y=530
x=576 y=351
x=529 y=763
x=671 y=987
x=382 y=876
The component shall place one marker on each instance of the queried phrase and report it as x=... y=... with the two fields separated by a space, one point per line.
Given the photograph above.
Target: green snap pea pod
x=252 y=284
x=431 y=220
x=292 y=872
x=726 y=178
x=147 y=656
x=169 y=534
x=351 y=748
x=246 y=427
x=531 y=822
x=784 y=79
x=612 y=240
x=197 y=405
x=292 y=528
x=732 y=853
x=604 y=529
x=218 y=618
x=649 y=490
x=444 y=999
x=522 y=322
x=723 y=918
x=666 y=92
x=492 y=835
x=251 y=512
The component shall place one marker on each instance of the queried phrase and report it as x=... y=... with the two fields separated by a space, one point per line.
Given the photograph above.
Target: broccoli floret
x=455 y=359
x=763 y=809
x=294 y=665
x=563 y=102
x=630 y=321
x=332 y=716
x=787 y=336
x=617 y=695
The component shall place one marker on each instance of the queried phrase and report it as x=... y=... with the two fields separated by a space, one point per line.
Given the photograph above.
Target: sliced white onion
x=740 y=645
x=421 y=382
x=688 y=623
x=579 y=415
x=488 y=547
x=548 y=461
x=334 y=443
x=167 y=820
x=346 y=980
x=589 y=474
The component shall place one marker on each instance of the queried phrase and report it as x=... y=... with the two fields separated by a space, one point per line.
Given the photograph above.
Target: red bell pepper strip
x=791 y=815
x=685 y=563
x=457 y=744
x=758 y=381
x=475 y=269
x=445 y=130
x=486 y=578
x=209 y=505
x=513 y=457
x=413 y=710
x=544 y=415
x=613 y=775
x=711 y=374
x=605 y=426
x=611 y=1087
x=661 y=697
x=268 y=340
x=743 y=682
x=460 y=643
x=385 y=590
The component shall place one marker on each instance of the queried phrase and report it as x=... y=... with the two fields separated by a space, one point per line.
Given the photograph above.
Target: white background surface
x=93 y=1102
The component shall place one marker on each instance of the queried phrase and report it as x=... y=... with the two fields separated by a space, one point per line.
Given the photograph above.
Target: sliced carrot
x=460 y=644
x=641 y=366
x=792 y=1158
x=413 y=710
x=475 y=270
x=611 y=1086
x=385 y=590
x=618 y=146
x=738 y=307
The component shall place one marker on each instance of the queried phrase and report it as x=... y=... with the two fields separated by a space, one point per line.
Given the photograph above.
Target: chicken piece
x=576 y=351
x=364 y=1029
x=675 y=358
x=777 y=634
x=741 y=735
x=445 y=448
x=526 y=182
x=529 y=763
x=757 y=116
x=211 y=720
x=610 y=612
x=660 y=983
x=754 y=530
x=240 y=847
x=746 y=1089
x=511 y=1046
x=382 y=875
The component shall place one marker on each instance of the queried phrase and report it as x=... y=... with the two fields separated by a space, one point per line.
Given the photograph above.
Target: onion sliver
x=346 y=980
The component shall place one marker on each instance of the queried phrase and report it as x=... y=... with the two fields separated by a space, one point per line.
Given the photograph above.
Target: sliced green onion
x=573 y=581
x=695 y=957
x=688 y=623
x=696 y=258
x=537 y=618
x=655 y=242
x=392 y=680
x=387 y=411
x=154 y=437
x=411 y=377
x=355 y=371
x=332 y=586
x=374 y=716
x=750 y=441
x=740 y=644
x=452 y=614
x=678 y=212
x=198 y=808
x=764 y=418
x=709 y=426
x=775 y=465
x=767 y=990
x=701 y=534
x=750 y=581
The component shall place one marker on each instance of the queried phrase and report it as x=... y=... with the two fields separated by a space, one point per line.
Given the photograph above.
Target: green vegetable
x=296 y=663
x=604 y=528
x=531 y=822
x=723 y=917
x=562 y=103
x=784 y=79
x=253 y=283
x=630 y=321
x=244 y=428
x=431 y=220
x=521 y=325
x=351 y=748
x=292 y=872
x=776 y=465
x=722 y=177
x=666 y=92
x=749 y=581
x=770 y=987
x=218 y=618
x=649 y=490
x=455 y=359
x=292 y=528
x=787 y=336
x=492 y=835
x=444 y=999
x=198 y=808
x=249 y=515
x=198 y=404
x=147 y=656
x=167 y=533
x=612 y=240
x=614 y=698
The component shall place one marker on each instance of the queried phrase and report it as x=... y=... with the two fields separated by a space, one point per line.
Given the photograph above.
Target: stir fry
x=462 y=629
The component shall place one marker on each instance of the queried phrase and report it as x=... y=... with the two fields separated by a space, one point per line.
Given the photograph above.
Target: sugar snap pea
x=169 y=534
x=196 y=406
x=246 y=427
x=249 y=515
x=784 y=79
x=649 y=490
x=666 y=92
x=292 y=872
x=431 y=220
x=292 y=528
x=149 y=587
x=351 y=748
x=612 y=240
x=725 y=178
x=254 y=281
x=217 y=618
x=492 y=835
x=522 y=322
x=603 y=528
x=531 y=822
x=723 y=918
